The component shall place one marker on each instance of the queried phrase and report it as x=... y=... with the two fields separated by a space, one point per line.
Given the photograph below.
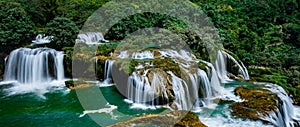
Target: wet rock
x=166 y=119
x=256 y=102
x=71 y=84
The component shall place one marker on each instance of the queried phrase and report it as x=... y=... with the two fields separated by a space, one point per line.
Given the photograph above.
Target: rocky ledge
x=257 y=102
x=71 y=84
x=166 y=119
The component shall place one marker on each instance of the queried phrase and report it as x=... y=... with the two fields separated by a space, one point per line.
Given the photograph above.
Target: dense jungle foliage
x=264 y=34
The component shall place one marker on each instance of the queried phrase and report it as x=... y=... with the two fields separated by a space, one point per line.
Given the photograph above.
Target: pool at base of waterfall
x=63 y=108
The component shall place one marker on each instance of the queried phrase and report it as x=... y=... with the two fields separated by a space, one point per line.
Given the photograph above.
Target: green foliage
x=15 y=26
x=64 y=32
x=80 y=10
x=106 y=49
x=140 y=21
x=68 y=61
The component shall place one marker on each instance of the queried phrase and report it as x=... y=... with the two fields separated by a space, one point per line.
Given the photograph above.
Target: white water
x=186 y=91
x=90 y=38
x=221 y=67
x=182 y=96
x=143 y=55
x=108 y=110
x=285 y=115
x=42 y=39
x=107 y=72
x=34 y=70
x=142 y=92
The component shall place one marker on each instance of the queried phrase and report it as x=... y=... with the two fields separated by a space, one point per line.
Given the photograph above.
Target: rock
x=257 y=102
x=166 y=119
x=71 y=84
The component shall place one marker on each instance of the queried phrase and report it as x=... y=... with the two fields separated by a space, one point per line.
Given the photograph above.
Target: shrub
x=15 y=26
x=63 y=30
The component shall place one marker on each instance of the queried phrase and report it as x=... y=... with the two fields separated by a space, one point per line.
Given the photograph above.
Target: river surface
x=62 y=108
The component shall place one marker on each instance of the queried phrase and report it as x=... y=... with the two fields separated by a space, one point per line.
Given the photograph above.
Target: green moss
x=71 y=84
x=168 y=118
x=284 y=79
x=257 y=102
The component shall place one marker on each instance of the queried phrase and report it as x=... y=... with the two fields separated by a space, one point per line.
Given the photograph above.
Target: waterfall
x=107 y=71
x=142 y=90
x=34 y=66
x=221 y=67
x=181 y=91
x=90 y=38
x=42 y=39
x=191 y=91
x=143 y=55
x=284 y=115
x=34 y=70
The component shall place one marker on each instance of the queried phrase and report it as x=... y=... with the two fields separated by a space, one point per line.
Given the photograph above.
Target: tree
x=15 y=26
x=63 y=30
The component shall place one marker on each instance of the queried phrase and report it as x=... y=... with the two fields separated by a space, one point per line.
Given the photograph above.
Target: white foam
x=108 y=110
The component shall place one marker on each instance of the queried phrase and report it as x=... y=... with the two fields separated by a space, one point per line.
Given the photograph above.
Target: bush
x=15 y=26
x=64 y=32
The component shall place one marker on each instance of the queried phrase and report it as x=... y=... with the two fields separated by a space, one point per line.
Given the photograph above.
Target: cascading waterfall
x=42 y=39
x=141 y=89
x=214 y=80
x=181 y=91
x=194 y=90
x=107 y=71
x=284 y=115
x=34 y=66
x=143 y=55
x=221 y=67
x=90 y=38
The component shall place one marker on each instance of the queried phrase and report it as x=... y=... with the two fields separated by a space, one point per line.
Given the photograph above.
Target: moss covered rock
x=167 y=119
x=71 y=84
x=256 y=102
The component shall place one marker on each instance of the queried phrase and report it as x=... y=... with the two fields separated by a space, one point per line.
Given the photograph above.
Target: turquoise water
x=58 y=109
x=63 y=108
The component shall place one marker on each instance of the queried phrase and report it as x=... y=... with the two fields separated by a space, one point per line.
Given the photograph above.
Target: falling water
x=214 y=79
x=90 y=38
x=284 y=115
x=221 y=66
x=42 y=39
x=107 y=71
x=143 y=55
x=182 y=97
x=141 y=89
x=34 y=66
x=34 y=69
